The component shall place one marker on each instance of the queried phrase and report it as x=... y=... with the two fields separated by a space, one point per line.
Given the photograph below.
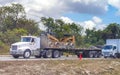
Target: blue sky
x=87 y=13
x=109 y=17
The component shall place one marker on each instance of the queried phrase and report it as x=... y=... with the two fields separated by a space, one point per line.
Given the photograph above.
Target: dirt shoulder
x=61 y=67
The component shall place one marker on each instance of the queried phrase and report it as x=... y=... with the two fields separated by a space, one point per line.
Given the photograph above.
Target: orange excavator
x=67 y=41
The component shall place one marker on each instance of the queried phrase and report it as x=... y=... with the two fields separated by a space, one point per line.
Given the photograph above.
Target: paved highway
x=10 y=58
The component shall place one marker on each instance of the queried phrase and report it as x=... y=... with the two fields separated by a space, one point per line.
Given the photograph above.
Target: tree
x=112 y=31
x=12 y=36
x=59 y=28
x=94 y=37
x=49 y=23
x=9 y=16
x=13 y=24
x=29 y=25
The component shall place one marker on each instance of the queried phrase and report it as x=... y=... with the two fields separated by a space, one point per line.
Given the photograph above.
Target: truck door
x=114 y=50
x=33 y=44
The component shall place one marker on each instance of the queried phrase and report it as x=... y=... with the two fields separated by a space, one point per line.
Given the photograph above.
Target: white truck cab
x=112 y=48
x=109 y=50
x=26 y=47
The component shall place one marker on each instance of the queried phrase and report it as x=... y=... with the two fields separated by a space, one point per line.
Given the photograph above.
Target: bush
x=4 y=49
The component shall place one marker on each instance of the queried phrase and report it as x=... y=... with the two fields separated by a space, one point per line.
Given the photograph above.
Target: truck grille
x=107 y=53
x=14 y=47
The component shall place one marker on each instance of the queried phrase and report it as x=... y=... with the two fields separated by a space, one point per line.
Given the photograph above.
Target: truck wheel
x=27 y=54
x=97 y=55
x=119 y=55
x=91 y=55
x=15 y=56
x=56 y=54
x=48 y=54
x=115 y=56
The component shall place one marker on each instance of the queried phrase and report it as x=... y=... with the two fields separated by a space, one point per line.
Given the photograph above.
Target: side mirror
x=114 y=47
x=33 y=40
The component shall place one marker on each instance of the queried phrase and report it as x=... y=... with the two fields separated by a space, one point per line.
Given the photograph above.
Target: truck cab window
x=26 y=39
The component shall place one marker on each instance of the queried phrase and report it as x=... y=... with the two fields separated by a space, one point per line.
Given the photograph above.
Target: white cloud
x=55 y=8
x=66 y=19
x=88 y=24
x=42 y=27
x=89 y=6
x=116 y=4
x=51 y=8
x=95 y=22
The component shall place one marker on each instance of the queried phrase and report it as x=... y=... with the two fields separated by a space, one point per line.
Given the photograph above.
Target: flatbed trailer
x=85 y=52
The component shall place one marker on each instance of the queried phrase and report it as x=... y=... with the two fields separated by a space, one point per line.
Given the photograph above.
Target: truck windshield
x=107 y=47
x=26 y=39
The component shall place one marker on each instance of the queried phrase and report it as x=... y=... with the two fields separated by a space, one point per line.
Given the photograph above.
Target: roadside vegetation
x=61 y=67
x=14 y=24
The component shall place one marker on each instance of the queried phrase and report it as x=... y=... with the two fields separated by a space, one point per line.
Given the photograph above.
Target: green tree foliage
x=98 y=37
x=112 y=31
x=60 y=28
x=93 y=37
x=12 y=36
x=29 y=25
x=13 y=16
x=9 y=16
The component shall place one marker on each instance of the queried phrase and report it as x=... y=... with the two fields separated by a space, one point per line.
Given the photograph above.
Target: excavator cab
x=68 y=40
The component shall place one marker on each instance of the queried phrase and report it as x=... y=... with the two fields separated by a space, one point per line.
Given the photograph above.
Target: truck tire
x=97 y=55
x=115 y=55
x=55 y=54
x=15 y=56
x=27 y=54
x=48 y=54
x=91 y=55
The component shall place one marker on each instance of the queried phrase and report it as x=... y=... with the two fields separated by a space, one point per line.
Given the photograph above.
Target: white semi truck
x=48 y=46
x=112 y=48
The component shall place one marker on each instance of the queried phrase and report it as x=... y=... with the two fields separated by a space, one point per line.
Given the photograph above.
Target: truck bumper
x=16 y=52
x=107 y=54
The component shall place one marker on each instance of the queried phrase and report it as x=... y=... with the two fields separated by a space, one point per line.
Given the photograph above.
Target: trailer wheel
x=91 y=55
x=27 y=54
x=48 y=54
x=56 y=54
x=117 y=55
x=15 y=56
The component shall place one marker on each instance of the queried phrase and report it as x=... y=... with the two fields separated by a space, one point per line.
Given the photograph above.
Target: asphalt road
x=10 y=58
